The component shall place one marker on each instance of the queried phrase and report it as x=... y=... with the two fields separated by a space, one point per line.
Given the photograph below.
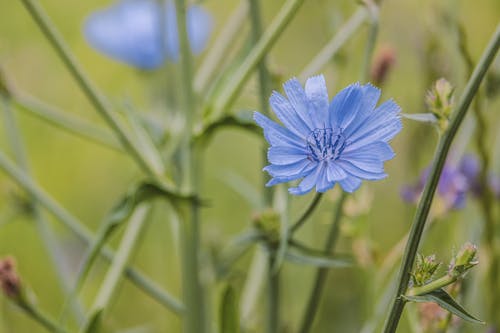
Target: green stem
x=307 y=213
x=90 y=91
x=119 y=263
x=219 y=50
x=38 y=316
x=41 y=223
x=333 y=46
x=435 y=172
x=431 y=286
x=486 y=202
x=273 y=295
x=373 y=11
x=71 y=124
x=194 y=320
x=322 y=273
x=258 y=52
x=84 y=234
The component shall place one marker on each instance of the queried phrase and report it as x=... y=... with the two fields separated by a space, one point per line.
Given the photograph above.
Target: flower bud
x=464 y=260
x=382 y=65
x=9 y=280
x=268 y=222
x=440 y=101
x=425 y=269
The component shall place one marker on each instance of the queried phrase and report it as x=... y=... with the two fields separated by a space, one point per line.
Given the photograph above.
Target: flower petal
x=275 y=134
x=306 y=184
x=285 y=155
x=368 y=102
x=375 y=150
x=350 y=184
x=299 y=101
x=335 y=172
x=322 y=183
x=127 y=31
x=199 y=25
x=317 y=95
x=382 y=125
x=373 y=174
x=288 y=115
x=276 y=170
x=345 y=105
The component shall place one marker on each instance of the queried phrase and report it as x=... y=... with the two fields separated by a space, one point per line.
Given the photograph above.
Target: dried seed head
x=9 y=280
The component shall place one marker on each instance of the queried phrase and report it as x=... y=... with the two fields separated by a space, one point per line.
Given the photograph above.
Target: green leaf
x=303 y=256
x=422 y=117
x=95 y=321
x=236 y=249
x=229 y=318
x=444 y=300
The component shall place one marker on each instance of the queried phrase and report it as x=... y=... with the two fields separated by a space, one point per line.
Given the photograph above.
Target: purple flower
x=454 y=184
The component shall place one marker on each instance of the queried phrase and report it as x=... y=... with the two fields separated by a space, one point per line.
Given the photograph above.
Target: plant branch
x=435 y=172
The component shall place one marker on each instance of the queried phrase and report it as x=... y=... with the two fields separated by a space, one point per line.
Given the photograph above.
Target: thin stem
x=218 y=52
x=322 y=273
x=50 y=32
x=333 y=46
x=194 y=321
x=433 y=285
x=435 y=172
x=273 y=295
x=373 y=11
x=264 y=86
x=125 y=250
x=266 y=42
x=84 y=234
x=66 y=122
x=41 y=223
x=486 y=202
x=37 y=315
x=307 y=213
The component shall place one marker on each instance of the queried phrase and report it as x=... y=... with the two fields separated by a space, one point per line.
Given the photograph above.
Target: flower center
x=325 y=144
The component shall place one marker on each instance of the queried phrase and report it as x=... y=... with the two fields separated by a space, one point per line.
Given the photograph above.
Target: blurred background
x=88 y=179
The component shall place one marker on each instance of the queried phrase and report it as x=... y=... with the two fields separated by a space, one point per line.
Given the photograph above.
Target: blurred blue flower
x=455 y=182
x=342 y=141
x=131 y=31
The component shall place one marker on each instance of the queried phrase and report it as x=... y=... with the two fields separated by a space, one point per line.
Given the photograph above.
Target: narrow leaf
x=444 y=300
x=94 y=325
x=229 y=318
x=302 y=256
x=422 y=117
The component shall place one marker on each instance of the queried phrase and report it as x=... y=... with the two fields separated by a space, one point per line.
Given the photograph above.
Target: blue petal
x=368 y=102
x=306 y=184
x=382 y=125
x=289 y=169
x=317 y=95
x=298 y=99
x=350 y=184
x=287 y=178
x=285 y=155
x=127 y=31
x=275 y=134
x=287 y=114
x=373 y=151
x=335 y=172
x=131 y=31
x=375 y=173
x=322 y=183
x=345 y=106
x=199 y=26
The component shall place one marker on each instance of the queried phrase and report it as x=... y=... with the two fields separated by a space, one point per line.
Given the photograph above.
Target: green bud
x=463 y=260
x=268 y=222
x=425 y=269
x=440 y=101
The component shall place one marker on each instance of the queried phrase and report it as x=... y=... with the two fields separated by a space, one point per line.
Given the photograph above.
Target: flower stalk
x=438 y=163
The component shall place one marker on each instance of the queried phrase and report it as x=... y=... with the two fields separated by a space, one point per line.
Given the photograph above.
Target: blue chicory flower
x=343 y=141
x=131 y=31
